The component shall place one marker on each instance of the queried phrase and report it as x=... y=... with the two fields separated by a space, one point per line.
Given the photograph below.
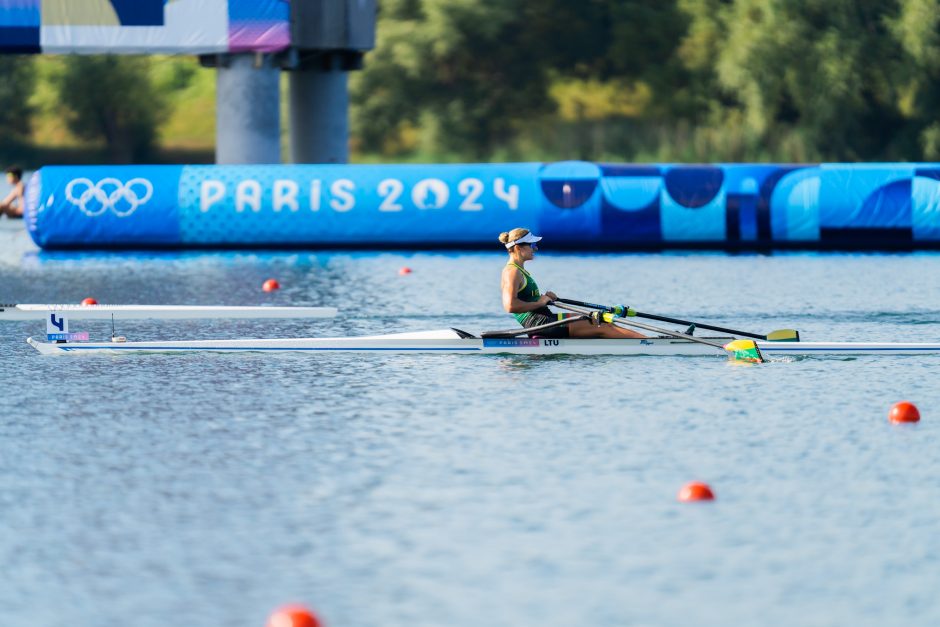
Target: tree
x=678 y=79
x=15 y=90
x=466 y=71
x=112 y=99
x=917 y=28
x=465 y=76
x=831 y=73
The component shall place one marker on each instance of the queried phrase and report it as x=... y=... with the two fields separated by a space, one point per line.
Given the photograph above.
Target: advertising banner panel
x=144 y=26
x=572 y=203
x=19 y=26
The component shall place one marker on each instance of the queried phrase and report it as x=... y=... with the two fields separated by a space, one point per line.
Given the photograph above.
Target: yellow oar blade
x=744 y=350
x=784 y=335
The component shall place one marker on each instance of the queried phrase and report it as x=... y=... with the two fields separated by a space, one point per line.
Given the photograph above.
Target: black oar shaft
x=581 y=303
x=640 y=314
x=699 y=325
x=622 y=322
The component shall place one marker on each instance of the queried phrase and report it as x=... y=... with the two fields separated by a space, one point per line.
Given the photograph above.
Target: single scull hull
x=447 y=341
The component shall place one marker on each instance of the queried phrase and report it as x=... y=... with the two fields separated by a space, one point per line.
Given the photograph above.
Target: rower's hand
x=552 y=296
x=547 y=299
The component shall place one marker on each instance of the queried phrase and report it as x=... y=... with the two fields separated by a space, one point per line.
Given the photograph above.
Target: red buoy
x=404 y=270
x=294 y=615
x=903 y=412
x=89 y=301
x=696 y=491
x=270 y=285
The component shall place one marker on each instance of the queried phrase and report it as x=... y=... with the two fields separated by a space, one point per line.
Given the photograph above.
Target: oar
x=741 y=350
x=527 y=330
x=781 y=335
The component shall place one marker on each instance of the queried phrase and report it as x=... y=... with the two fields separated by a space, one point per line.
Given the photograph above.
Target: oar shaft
x=646 y=327
x=698 y=325
x=581 y=303
x=535 y=329
x=639 y=314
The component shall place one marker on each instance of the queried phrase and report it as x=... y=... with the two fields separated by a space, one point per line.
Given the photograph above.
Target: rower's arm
x=510 y=284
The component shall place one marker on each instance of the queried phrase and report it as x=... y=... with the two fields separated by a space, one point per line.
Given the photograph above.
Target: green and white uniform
x=529 y=293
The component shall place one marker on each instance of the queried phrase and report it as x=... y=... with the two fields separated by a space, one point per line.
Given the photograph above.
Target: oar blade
x=784 y=335
x=744 y=350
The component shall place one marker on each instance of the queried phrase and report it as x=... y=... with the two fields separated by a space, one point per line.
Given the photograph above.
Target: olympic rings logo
x=108 y=194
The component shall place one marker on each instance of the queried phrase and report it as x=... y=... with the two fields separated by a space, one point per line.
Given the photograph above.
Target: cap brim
x=528 y=238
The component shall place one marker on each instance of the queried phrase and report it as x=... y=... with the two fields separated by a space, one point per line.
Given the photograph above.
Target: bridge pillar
x=319 y=114
x=248 y=109
x=328 y=40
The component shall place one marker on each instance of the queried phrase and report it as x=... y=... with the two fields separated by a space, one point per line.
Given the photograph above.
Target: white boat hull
x=447 y=341
x=159 y=312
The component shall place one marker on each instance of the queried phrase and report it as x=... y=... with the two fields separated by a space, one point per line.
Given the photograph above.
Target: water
x=461 y=490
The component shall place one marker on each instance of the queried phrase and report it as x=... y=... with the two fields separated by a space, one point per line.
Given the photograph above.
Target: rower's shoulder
x=512 y=274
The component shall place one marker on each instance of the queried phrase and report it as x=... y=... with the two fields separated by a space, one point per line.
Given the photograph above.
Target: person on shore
x=521 y=296
x=12 y=205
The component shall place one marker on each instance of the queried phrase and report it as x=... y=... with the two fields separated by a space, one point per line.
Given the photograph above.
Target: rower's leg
x=584 y=329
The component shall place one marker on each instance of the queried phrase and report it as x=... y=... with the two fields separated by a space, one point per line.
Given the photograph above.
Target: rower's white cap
x=528 y=238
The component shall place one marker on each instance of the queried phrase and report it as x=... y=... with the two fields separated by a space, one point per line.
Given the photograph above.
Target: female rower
x=521 y=296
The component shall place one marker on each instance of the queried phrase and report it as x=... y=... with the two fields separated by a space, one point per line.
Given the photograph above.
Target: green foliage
x=16 y=85
x=825 y=68
x=917 y=28
x=112 y=99
x=632 y=80
x=473 y=75
x=462 y=70
x=678 y=79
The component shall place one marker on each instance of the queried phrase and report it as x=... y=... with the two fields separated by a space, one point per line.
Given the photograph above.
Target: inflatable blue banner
x=573 y=204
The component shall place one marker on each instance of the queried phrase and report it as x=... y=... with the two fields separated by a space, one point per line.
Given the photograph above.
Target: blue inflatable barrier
x=572 y=204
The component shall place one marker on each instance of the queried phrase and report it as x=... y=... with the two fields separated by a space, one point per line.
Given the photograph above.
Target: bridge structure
x=248 y=42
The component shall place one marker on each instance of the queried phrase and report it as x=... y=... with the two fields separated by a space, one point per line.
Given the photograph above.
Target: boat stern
x=45 y=348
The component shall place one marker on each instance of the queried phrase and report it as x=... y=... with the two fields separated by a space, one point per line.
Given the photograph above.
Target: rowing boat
x=454 y=341
x=159 y=312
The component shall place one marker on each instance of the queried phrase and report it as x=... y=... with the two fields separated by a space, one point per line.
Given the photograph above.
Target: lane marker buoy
x=696 y=491
x=294 y=615
x=904 y=411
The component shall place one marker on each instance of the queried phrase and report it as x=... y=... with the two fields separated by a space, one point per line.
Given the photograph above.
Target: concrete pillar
x=248 y=111
x=319 y=116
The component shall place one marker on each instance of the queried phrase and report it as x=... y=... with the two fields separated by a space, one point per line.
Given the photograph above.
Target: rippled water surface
x=460 y=490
